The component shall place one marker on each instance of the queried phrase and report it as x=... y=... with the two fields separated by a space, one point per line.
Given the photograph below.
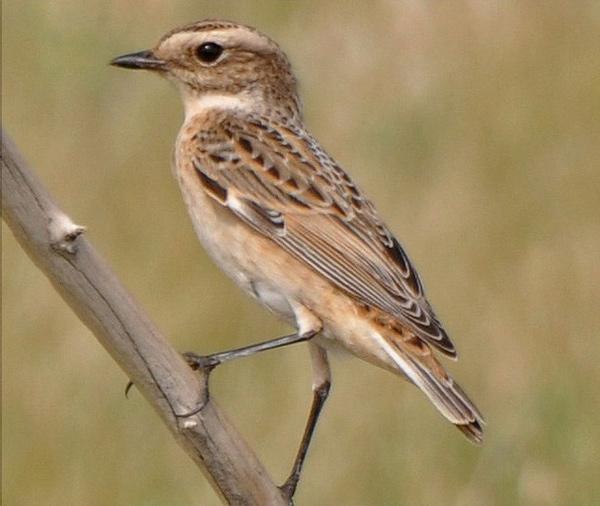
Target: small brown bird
x=289 y=225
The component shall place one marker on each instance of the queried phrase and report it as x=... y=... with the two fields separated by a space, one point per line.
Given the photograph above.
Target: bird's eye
x=209 y=52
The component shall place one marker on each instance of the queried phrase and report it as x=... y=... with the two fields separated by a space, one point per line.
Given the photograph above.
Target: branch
x=87 y=284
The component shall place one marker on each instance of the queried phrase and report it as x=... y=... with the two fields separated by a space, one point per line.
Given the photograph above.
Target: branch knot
x=63 y=233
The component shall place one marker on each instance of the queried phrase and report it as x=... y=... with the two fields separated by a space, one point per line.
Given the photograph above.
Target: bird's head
x=219 y=61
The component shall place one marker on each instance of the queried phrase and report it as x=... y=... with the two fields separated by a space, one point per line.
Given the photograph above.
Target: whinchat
x=289 y=225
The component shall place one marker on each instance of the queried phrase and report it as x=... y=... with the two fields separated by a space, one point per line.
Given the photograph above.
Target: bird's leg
x=209 y=362
x=308 y=326
x=321 y=386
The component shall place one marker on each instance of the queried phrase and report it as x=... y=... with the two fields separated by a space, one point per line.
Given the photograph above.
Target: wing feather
x=279 y=181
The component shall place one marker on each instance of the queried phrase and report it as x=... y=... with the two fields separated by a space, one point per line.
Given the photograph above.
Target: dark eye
x=209 y=52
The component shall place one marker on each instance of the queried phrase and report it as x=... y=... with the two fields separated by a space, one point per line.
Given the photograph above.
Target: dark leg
x=321 y=385
x=209 y=362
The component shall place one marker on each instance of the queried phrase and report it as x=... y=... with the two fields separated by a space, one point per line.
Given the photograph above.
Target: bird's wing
x=278 y=180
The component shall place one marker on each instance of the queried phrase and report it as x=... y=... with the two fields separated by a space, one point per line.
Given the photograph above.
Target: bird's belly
x=273 y=299
x=252 y=261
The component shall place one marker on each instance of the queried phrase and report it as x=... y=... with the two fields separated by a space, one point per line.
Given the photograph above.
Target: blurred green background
x=474 y=126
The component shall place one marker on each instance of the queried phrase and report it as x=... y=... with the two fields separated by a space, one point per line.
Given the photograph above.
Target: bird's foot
x=206 y=363
x=288 y=489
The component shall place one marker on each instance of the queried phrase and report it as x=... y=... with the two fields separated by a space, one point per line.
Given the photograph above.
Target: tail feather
x=416 y=361
x=472 y=430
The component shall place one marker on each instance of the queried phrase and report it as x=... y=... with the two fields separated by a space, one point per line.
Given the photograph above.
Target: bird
x=289 y=225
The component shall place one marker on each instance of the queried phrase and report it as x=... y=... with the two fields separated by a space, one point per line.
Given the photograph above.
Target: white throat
x=194 y=105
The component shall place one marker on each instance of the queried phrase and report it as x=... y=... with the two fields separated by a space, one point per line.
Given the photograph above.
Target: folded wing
x=279 y=181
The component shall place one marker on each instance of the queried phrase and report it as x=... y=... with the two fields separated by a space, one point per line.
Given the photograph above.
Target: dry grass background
x=473 y=125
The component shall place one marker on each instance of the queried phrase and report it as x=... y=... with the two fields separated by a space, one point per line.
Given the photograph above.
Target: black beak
x=141 y=60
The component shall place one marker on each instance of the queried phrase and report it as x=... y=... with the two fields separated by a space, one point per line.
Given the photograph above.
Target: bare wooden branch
x=58 y=247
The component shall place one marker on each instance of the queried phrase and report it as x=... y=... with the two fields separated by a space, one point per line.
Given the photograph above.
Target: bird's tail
x=414 y=359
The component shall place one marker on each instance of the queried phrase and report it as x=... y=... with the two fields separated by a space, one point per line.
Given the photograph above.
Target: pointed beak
x=141 y=60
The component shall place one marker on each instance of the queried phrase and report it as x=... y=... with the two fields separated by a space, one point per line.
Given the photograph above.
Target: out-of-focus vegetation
x=474 y=126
